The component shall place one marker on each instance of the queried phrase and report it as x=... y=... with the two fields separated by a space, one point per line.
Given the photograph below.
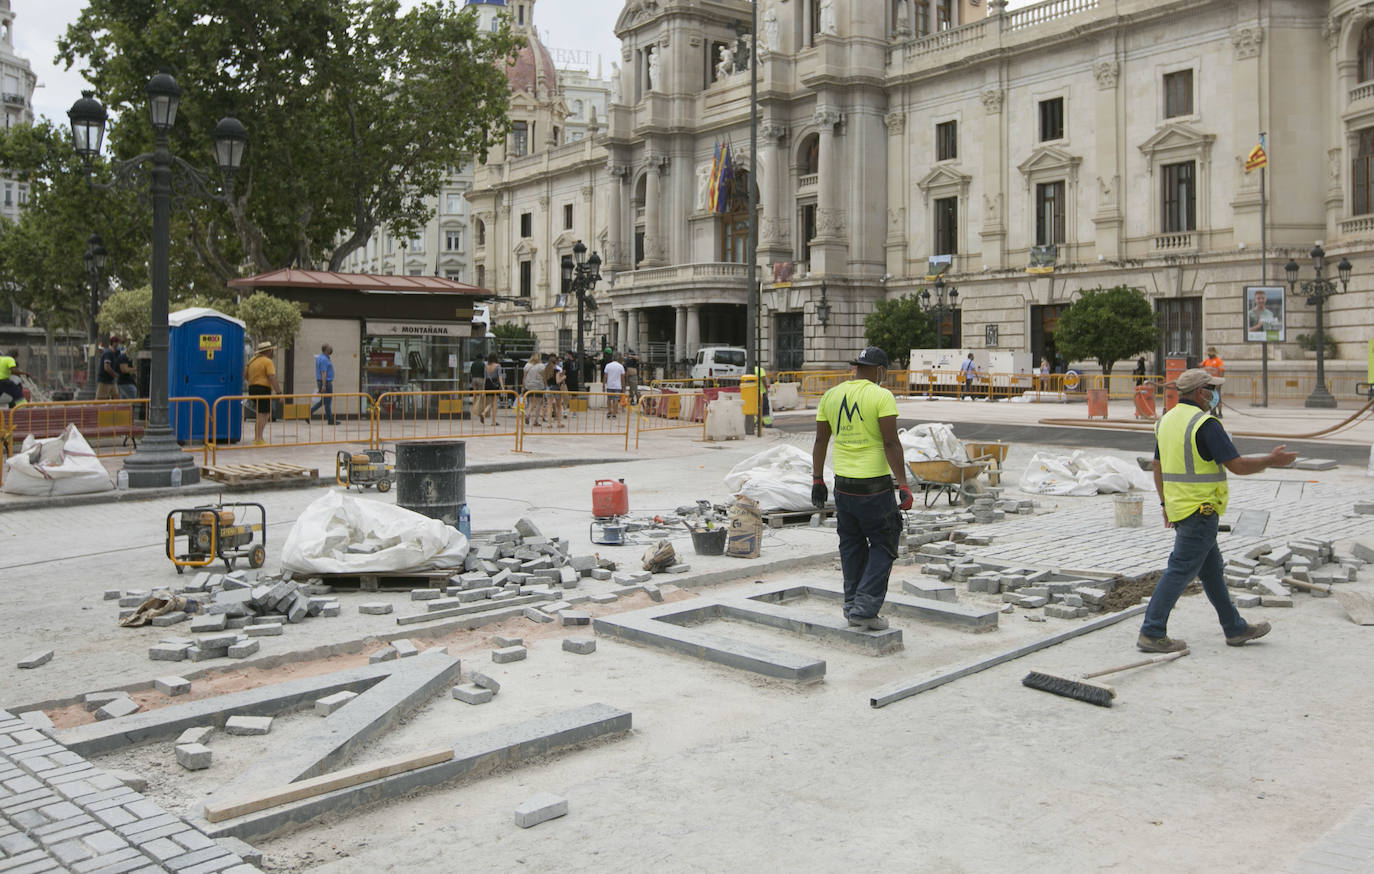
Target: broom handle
x=1311 y=587
x=1154 y=660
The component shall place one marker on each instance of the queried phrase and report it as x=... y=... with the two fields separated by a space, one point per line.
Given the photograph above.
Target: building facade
x=1030 y=153
x=17 y=82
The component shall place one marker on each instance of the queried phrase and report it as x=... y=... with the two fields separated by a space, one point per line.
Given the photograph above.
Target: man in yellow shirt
x=261 y=374
x=1192 y=455
x=861 y=415
x=11 y=392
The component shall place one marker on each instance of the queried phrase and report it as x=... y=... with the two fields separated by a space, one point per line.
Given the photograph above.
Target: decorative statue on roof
x=726 y=63
x=828 y=17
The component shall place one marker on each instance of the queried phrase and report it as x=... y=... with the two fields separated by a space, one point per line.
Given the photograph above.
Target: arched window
x=1366 y=59
x=809 y=156
x=734 y=223
x=481 y=233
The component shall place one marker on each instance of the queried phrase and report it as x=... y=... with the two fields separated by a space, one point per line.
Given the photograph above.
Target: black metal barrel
x=431 y=478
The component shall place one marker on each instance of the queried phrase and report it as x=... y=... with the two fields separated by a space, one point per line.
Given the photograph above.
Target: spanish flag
x=1256 y=159
x=712 y=180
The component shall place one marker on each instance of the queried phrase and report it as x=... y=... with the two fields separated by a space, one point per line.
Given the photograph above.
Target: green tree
x=897 y=326
x=128 y=314
x=1107 y=324
x=270 y=318
x=354 y=111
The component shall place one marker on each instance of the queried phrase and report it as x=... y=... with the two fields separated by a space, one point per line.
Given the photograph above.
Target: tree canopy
x=354 y=112
x=1107 y=324
x=270 y=318
x=897 y=326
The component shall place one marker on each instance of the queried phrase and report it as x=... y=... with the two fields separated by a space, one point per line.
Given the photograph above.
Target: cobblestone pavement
x=61 y=813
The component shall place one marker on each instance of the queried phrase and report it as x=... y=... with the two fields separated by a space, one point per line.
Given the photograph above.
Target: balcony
x=716 y=275
x=1030 y=16
x=1175 y=243
x=808 y=180
x=1361 y=91
x=14 y=99
x=1360 y=224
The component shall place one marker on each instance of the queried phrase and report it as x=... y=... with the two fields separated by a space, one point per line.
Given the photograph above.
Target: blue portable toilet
x=205 y=348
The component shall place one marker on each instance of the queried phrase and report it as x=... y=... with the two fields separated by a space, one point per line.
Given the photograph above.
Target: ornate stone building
x=17 y=82
x=1105 y=140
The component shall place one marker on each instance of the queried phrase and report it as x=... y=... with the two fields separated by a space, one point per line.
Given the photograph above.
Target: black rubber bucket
x=431 y=478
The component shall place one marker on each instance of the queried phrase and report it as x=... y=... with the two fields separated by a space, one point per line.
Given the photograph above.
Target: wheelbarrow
x=944 y=477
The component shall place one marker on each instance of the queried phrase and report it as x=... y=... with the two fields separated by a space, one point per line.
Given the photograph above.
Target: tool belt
x=1207 y=510
x=870 y=486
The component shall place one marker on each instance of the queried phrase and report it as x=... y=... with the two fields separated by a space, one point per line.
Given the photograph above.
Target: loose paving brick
x=330 y=703
x=472 y=694
x=508 y=654
x=36 y=659
x=172 y=686
x=541 y=808
x=248 y=725
x=579 y=645
x=194 y=757
x=122 y=706
x=374 y=609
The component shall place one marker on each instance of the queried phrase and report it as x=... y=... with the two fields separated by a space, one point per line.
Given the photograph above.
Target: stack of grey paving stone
x=1260 y=571
x=1063 y=596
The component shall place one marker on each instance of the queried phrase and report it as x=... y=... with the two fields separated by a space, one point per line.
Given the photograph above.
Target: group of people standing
x=116 y=377
x=545 y=378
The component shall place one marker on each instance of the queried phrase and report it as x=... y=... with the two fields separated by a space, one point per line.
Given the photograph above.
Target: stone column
x=632 y=329
x=994 y=228
x=775 y=197
x=693 y=342
x=679 y=329
x=829 y=249
x=654 y=250
x=1105 y=190
x=897 y=189
x=617 y=250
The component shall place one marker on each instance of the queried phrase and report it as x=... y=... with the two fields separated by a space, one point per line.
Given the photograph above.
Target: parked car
x=713 y=362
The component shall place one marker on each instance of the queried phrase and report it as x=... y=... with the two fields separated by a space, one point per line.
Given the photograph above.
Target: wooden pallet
x=779 y=518
x=266 y=471
x=437 y=579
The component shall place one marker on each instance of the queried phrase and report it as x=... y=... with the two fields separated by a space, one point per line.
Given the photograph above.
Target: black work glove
x=819 y=493
x=905 y=491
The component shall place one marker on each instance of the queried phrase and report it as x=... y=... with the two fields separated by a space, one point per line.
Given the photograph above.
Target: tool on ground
x=1081 y=688
x=1357 y=605
x=224 y=532
x=364 y=469
x=610 y=501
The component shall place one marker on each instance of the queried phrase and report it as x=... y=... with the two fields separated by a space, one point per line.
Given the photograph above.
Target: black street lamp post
x=158 y=454
x=94 y=259
x=946 y=302
x=581 y=274
x=1317 y=291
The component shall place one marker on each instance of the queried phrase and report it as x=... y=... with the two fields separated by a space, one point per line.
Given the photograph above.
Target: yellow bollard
x=749 y=393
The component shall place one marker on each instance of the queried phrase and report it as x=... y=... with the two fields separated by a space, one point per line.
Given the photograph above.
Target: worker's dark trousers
x=869 y=527
x=1195 y=555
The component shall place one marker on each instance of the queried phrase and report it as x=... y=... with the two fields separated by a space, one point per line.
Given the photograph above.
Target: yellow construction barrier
x=671 y=410
x=399 y=416
x=352 y=416
x=569 y=414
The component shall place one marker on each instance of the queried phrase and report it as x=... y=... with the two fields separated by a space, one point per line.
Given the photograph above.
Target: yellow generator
x=225 y=532
x=364 y=469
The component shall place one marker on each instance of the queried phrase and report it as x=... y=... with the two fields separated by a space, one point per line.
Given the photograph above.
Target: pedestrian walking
x=261 y=373
x=126 y=378
x=105 y=388
x=553 y=386
x=969 y=369
x=493 y=382
x=1215 y=366
x=532 y=381
x=861 y=416
x=324 y=383
x=632 y=376
x=1140 y=371
x=1192 y=456
x=615 y=385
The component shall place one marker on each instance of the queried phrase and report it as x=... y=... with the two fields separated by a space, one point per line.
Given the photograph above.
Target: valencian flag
x=1257 y=158
x=723 y=171
x=711 y=186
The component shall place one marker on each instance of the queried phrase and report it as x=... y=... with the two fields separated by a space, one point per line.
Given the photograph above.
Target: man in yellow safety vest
x=1192 y=456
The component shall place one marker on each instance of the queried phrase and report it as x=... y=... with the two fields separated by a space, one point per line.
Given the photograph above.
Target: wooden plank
x=326 y=783
x=905 y=689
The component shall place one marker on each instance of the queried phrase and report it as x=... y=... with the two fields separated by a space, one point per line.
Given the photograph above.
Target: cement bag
x=63 y=465
x=1110 y=474
x=1081 y=475
x=778 y=478
x=1053 y=475
x=745 y=539
x=931 y=441
x=341 y=534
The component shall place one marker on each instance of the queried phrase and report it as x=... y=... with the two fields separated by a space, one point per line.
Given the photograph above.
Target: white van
x=716 y=361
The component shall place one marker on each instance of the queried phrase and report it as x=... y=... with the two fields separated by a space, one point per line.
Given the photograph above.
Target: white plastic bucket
x=1130 y=511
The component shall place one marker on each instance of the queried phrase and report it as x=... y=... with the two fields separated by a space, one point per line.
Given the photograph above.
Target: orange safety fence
x=291 y=422
x=428 y=415
x=671 y=410
x=112 y=426
x=562 y=414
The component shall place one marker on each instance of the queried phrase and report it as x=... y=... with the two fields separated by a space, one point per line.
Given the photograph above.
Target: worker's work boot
x=1163 y=644
x=872 y=623
x=1252 y=631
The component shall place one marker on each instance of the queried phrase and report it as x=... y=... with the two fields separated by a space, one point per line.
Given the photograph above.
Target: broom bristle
x=1083 y=690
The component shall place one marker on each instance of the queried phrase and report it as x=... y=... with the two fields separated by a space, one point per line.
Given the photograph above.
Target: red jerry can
x=610 y=498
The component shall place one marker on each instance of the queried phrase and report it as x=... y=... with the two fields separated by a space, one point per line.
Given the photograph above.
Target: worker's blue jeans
x=1195 y=555
x=869 y=527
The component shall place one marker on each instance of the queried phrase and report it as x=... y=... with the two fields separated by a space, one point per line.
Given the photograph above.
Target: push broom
x=1082 y=688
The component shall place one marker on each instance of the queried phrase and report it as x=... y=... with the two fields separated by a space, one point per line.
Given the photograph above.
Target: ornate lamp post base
x=1320 y=398
x=158 y=454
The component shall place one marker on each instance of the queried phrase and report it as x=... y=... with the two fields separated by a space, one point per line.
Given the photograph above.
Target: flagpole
x=1264 y=272
x=753 y=318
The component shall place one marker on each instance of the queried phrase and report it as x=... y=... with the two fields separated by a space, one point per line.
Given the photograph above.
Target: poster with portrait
x=1264 y=314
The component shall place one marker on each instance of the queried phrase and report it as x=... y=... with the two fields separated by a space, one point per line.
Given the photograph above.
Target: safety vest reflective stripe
x=1190 y=480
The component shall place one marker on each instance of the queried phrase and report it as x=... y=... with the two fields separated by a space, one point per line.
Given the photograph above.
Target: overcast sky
x=583 y=28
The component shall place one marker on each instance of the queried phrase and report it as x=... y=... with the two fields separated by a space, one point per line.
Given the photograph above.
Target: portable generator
x=224 y=532
x=364 y=469
x=610 y=502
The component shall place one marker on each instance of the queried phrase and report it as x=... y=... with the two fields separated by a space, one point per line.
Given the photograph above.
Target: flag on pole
x=721 y=183
x=1257 y=158
x=711 y=180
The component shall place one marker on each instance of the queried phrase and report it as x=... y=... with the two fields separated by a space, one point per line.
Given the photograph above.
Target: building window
x=1362 y=175
x=453 y=204
x=813 y=8
x=481 y=233
x=1178 y=93
x=944 y=14
x=809 y=158
x=455 y=275
x=527 y=224
x=947 y=226
x=734 y=224
x=1052 y=119
x=415 y=271
x=481 y=276
x=806 y=222
x=526 y=279
x=453 y=241
x=1049 y=213
x=567 y=216
x=519 y=139
x=555 y=135
x=9 y=194
x=1178 y=199
x=1366 y=56
x=416 y=244
x=639 y=246
x=520 y=14
x=922 y=23
x=947 y=141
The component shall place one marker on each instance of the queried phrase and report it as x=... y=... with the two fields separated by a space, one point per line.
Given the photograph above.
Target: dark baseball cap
x=872 y=357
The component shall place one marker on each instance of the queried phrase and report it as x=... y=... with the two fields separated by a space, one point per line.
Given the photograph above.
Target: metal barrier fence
x=112 y=426
x=564 y=414
x=671 y=410
x=428 y=415
x=1289 y=387
x=290 y=422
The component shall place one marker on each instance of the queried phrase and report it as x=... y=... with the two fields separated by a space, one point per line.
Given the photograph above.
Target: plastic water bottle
x=176 y=477
x=464 y=520
x=122 y=480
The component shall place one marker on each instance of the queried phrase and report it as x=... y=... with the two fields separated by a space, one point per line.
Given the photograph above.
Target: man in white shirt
x=615 y=385
x=969 y=369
